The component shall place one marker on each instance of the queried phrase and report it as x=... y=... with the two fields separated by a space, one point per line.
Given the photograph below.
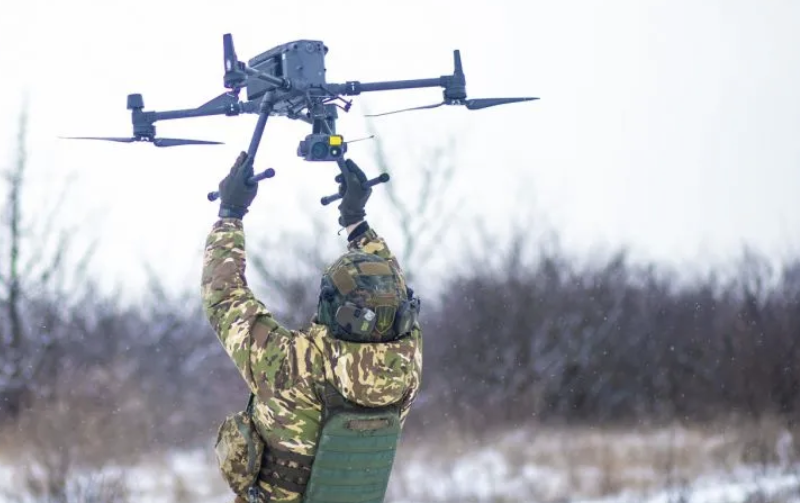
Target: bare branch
x=422 y=215
x=47 y=231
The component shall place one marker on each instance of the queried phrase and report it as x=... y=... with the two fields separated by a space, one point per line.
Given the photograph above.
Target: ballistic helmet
x=364 y=298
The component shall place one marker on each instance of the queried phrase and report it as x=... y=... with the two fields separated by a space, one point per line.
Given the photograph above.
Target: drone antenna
x=234 y=75
x=362 y=139
x=458 y=69
x=228 y=52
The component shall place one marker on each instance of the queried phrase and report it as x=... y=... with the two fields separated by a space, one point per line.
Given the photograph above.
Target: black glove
x=235 y=194
x=354 y=196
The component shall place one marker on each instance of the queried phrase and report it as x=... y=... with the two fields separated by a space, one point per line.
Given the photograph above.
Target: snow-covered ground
x=665 y=466
x=488 y=478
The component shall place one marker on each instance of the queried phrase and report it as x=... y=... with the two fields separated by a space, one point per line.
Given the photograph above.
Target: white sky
x=671 y=127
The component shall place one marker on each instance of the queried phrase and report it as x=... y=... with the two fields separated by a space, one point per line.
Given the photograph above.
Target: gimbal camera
x=289 y=80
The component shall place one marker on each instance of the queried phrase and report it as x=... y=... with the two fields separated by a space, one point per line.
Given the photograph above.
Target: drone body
x=289 y=80
x=301 y=61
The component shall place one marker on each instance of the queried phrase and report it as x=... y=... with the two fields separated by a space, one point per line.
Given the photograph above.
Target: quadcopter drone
x=289 y=80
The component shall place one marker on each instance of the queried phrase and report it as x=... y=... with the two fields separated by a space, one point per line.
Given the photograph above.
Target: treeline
x=545 y=340
x=614 y=342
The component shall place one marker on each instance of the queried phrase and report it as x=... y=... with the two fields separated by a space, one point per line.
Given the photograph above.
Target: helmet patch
x=384 y=315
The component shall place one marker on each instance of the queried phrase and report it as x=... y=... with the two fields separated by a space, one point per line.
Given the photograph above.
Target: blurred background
x=610 y=275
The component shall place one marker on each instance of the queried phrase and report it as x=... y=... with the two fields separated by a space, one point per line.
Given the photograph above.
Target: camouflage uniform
x=285 y=368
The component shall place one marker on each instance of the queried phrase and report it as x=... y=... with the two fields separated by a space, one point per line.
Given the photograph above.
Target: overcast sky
x=670 y=127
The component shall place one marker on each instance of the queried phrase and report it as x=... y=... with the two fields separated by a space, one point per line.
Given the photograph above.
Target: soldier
x=364 y=345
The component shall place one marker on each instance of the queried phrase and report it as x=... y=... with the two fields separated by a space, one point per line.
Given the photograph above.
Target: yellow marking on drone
x=335 y=140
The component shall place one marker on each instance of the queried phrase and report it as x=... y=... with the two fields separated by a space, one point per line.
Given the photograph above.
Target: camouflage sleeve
x=415 y=375
x=240 y=321
x=370 y=242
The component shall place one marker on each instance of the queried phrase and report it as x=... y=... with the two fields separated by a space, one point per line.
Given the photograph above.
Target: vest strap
x=288 y=470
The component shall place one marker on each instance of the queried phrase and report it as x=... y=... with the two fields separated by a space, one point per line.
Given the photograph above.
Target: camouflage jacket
x=284 y=367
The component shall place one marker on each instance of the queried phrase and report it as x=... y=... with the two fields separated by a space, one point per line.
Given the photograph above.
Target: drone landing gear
x=265 y=108
x=382 y=178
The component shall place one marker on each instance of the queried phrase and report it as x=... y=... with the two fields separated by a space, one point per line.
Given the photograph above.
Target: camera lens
x=319 y=150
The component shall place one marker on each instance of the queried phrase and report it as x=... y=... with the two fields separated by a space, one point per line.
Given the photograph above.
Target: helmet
x=363 y=298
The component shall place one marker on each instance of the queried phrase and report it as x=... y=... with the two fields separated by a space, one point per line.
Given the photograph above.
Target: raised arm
x=364 y=238
x=351 y=210
x=241 y=322
x=360 y=236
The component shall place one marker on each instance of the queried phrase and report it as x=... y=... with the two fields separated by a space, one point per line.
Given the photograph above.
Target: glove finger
x=355 y=170
x=244 y=171
x=228 y=178
x=247 y=172
x=351 y=165
x=234 y=169
x=352 y=177
x=339 y=178
x=241 y=159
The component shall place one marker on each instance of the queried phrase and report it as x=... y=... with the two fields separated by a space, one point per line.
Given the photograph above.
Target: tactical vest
x=354 y=456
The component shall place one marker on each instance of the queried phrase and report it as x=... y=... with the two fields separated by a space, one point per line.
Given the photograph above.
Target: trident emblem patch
x=384 y=318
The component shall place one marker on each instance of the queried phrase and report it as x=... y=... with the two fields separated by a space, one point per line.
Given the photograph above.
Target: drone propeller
x=158 y=142
x=423 y=107
x=455 y=93
x=472 y=104
x=173 y=142
x=478 y=103
x=106 y=138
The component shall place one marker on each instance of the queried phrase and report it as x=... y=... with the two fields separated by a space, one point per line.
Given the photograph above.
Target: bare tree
x=424 y=213
x=32 y=268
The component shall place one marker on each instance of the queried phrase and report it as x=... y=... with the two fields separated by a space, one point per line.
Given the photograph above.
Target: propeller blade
x=424 y=107
x=477 y=104
x=106 y=138
x=172 y=142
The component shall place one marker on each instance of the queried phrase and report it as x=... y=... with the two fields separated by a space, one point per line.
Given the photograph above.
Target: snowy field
x=662 y=466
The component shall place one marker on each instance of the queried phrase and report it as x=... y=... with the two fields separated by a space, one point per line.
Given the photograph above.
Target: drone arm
x=233 y=109
x=230 y=109
x=276 y=81
x=354 y=88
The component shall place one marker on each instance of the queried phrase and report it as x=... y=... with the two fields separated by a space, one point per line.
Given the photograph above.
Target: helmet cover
x=364 y=281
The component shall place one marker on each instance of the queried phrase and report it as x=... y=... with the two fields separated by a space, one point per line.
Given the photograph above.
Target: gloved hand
x=354 y=196
x=235 y=194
